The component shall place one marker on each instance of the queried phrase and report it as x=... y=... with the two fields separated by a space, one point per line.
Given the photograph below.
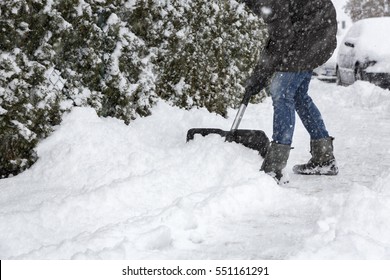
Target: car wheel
x=358 y=73
x=338 y=78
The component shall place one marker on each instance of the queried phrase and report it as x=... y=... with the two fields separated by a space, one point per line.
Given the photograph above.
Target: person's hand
x=256 y=82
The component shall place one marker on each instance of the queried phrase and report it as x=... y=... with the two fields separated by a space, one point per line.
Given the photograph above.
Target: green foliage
x=361 y=9
x=118 y=57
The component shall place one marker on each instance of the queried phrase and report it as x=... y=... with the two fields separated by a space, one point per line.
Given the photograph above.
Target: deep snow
x=104 y=190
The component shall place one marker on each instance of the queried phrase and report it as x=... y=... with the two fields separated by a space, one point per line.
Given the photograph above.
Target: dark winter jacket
x=302 y=34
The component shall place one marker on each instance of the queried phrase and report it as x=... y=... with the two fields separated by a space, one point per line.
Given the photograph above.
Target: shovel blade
x=252 y=139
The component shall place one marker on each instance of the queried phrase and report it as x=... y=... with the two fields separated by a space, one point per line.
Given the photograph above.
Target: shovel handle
x=238 y=117
x=241 y=110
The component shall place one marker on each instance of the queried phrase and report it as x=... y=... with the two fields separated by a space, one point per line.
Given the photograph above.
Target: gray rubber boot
x=276 y=160
x=322 y=161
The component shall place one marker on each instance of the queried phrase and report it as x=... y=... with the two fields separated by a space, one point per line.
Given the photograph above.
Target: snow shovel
x=253 y=139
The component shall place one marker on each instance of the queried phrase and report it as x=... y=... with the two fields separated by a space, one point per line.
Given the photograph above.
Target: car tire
x=338 y=78
x=359 y=76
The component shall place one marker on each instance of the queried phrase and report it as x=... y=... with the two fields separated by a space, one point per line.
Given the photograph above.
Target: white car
x=364 y=53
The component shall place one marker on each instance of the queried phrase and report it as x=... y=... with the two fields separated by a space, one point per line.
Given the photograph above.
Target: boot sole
x=318 y=171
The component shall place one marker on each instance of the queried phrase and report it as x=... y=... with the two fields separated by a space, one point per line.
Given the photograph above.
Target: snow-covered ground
x=104 y=190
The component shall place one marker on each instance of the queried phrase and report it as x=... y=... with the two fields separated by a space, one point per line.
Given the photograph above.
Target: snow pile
x=104 y=190
x=359 y=230
x=361 y=94
x=94 y=172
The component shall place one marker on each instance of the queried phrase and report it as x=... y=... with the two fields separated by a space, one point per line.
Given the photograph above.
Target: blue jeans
x=289 y=94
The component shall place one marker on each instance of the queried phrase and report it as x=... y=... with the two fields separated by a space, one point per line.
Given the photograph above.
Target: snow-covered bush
x=29 y=105
x=119 y=57
x=104 y=63
x=125 y=54
x=361 y=9
x=205 y=49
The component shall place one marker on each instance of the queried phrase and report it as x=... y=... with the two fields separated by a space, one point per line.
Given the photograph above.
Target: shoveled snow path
x=103 y=190
x=354 y=202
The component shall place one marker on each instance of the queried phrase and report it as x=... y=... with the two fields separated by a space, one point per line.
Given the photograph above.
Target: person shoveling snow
x=302 y=36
